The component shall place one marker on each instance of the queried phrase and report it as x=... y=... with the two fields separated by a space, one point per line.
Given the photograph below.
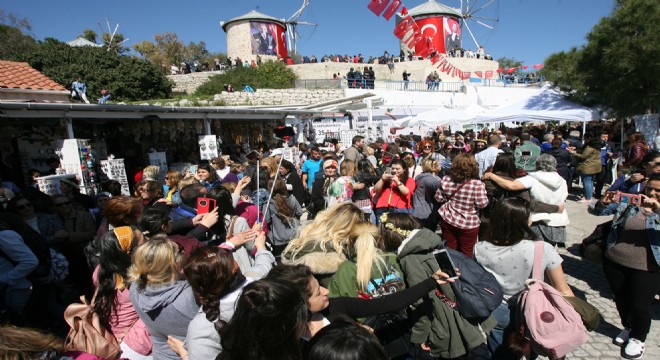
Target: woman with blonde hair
x=151 y=173
x=335 y=234
x=165 y=303
x=172 y=180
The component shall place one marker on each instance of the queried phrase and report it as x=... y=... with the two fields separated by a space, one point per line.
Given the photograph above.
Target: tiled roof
x=20 y=75
x=252 y=15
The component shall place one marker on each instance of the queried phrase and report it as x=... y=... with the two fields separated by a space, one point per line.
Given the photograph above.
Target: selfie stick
x=270 y=196
x=258 y=208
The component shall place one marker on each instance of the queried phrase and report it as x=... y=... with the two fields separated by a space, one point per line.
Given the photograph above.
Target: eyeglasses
x=23 y=206
x=62 y=204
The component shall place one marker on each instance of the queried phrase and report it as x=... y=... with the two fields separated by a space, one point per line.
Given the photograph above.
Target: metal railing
x=440 y=86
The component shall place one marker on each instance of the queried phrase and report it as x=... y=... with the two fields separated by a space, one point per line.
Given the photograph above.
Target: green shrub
x=270 y=75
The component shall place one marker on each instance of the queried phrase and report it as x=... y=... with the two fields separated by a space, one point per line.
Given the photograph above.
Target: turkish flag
x=510 y=70
x=525 y=67
x=478 y=73
x=499 y=71
x=404 y=11
x=538 y=66
x=489 y=73
x=465 y=75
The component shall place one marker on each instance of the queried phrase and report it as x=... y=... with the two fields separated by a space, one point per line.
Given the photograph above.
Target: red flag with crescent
x=478 y=73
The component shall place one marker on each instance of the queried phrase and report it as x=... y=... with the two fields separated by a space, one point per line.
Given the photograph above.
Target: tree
x=89 y=35
x=618 y=67
x=196 y=51
x=127 y=78
x=14 y=36
x=167 y=50
x=506 y=63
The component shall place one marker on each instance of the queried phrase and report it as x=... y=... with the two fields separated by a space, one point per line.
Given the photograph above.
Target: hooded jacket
x=323 y=260
x=550 y=188
x=447 y=333
x=165 y=310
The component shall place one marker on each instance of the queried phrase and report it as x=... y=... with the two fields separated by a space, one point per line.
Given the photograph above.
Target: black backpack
x=37 y=244
x=477 y=291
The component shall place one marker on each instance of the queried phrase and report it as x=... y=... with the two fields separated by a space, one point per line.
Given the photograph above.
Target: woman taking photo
x=462 y=195
x=510 y=257
x=394 y=190
x=632 y=266
x=113 y=304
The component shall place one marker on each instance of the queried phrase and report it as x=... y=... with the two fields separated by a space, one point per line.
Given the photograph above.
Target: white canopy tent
x=548 y=104
x=455 y=117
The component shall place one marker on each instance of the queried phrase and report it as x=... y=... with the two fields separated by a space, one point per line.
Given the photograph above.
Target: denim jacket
x=652 y=226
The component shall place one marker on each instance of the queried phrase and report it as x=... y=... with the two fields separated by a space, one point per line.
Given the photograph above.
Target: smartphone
x=445 y=263
x=205 y=205
x=526 y=153
x=388 y=170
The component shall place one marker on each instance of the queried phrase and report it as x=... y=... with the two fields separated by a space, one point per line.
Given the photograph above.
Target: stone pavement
x=588 y=281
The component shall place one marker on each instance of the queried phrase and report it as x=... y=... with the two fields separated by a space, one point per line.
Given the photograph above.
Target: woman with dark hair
x=347 y=341
x=231 y=225
x=217 y=282
x=394 y=190
x=269 y=320
x=414 y=246
x=588 y=165
x=462 y=195
x=319 y=195
x=113 y=304
x=508 y=256
x=282 y=216
x=637 y=150
x=151 y=193
x=48 y=225
x=632 y=267
x=120 y=211
x=563 y=158
x=289 y=174
x=154 y=222
x=207 y=176
x=366 y=174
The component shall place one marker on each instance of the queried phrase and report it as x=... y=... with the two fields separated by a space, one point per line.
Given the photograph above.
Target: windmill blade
x=297 y=14
x=483 y=24
x=471 y=34
x=483 y=6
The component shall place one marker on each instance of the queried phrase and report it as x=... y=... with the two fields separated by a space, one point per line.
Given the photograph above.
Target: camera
x=205 y=205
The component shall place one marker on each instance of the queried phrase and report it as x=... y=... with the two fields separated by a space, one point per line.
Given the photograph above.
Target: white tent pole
x=584 y=129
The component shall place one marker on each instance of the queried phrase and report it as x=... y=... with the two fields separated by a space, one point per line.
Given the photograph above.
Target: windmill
x=483 y=15
x=109 y=37
x=292 y=27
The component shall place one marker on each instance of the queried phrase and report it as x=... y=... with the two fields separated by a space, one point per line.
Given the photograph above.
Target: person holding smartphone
x=510 y=257
x=394 y=190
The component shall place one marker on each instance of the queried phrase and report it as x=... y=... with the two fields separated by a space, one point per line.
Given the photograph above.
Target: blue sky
x=528 y=30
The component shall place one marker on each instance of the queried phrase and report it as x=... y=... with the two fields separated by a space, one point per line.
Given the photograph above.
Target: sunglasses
x=428 y=147
x=62 y=204
x=655 y=163
x=24 y=206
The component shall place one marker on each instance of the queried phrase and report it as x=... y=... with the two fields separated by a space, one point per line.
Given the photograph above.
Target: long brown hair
x=26 y=344
x=174 y=176
x=281 y=198
x=210 y=271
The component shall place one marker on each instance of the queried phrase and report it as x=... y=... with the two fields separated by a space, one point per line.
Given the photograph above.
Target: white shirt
x=486 y=159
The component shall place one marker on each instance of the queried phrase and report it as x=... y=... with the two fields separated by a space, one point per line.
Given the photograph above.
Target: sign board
x=50 y=185
x=115 y=170
x=208 y=147
x=159 y=159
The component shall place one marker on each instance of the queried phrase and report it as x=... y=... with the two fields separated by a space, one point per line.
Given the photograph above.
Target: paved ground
x=588 y=281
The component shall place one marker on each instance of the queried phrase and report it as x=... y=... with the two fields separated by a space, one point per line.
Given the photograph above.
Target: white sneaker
x=622 y=338
x=634 y=349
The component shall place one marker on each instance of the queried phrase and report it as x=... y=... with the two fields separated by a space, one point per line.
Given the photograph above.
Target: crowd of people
x=302 y=258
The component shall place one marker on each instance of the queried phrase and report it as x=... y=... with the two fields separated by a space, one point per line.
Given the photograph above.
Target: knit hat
x=328 y=163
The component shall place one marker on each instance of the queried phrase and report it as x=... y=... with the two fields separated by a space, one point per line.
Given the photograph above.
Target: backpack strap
x=538 y=260
x=458 y=189
x=230 y=233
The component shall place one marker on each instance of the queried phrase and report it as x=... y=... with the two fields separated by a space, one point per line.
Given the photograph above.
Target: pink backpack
x=547 y=321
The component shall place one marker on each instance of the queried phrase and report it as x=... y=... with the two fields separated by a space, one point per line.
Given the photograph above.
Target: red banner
x=478 y=74
x=538 y=66
x=489 y=73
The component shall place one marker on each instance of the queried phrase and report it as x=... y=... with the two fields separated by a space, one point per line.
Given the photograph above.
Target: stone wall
x=188 y=83
x=280 y=97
